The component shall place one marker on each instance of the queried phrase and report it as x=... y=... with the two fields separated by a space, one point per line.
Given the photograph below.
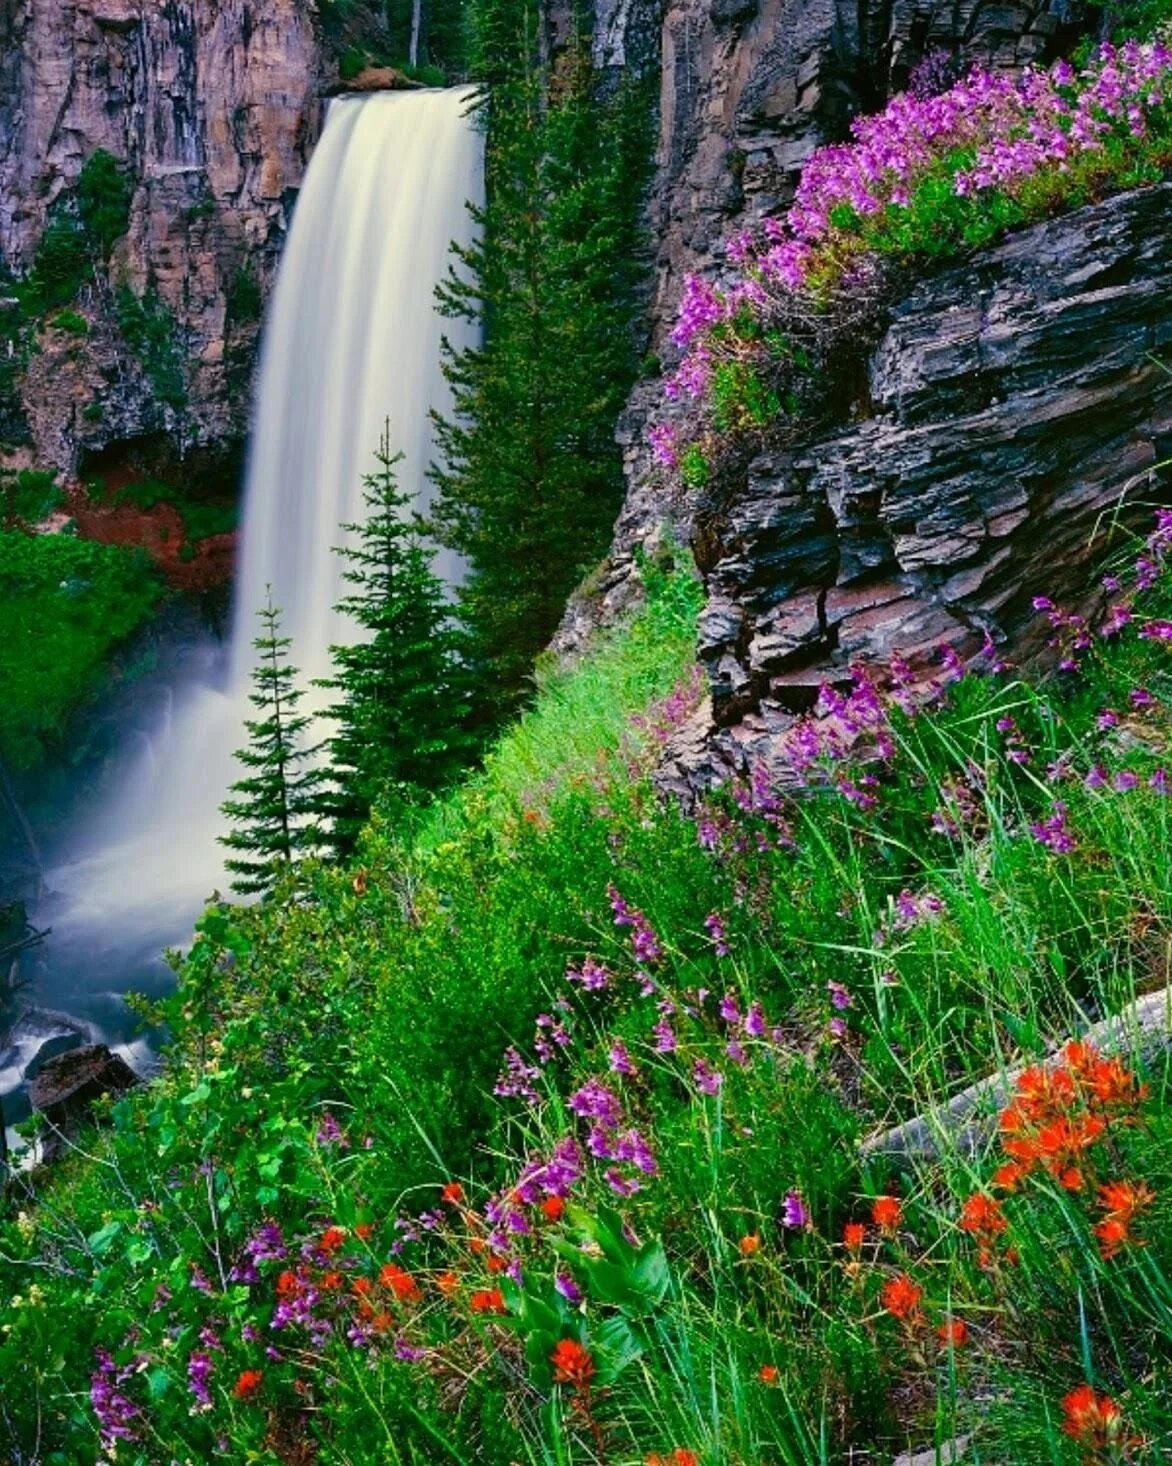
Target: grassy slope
x=383 y=998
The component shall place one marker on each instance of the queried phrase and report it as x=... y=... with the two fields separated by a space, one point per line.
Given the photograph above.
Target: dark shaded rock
x=67 y=1085
x=1017 y=398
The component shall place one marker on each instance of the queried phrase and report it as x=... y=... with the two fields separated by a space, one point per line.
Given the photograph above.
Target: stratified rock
x=1016 y=398
x=377 y=79
x=212 y=109
x=66 y=1086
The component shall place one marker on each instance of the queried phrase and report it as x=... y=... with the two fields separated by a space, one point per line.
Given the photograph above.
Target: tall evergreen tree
x=530 y=477
x=276 y=802
x=402 y=710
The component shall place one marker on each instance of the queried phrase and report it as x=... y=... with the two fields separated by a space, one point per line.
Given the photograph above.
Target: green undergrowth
x=533 y=1134
x=66 y=605
x=202 y=518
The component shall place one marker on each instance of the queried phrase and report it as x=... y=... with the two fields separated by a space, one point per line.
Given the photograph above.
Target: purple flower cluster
x=987 y=131
x=265 y=1245
x=117 y=1415
x=644 y=942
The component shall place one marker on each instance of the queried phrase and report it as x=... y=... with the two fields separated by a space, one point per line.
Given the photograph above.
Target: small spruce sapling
x=401 y=715
x=276 y=802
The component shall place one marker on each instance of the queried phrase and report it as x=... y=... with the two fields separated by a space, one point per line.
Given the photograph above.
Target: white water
x=352 y=339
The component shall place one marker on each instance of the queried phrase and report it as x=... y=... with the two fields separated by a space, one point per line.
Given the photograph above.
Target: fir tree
x=530 y=478
x=402 y=710
x=275 y=803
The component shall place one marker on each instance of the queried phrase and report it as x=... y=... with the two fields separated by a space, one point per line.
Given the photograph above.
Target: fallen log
x=965 y=1124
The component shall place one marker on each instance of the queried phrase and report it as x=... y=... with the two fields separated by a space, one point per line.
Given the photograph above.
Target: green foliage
x=28 y=496
x=151 y=332
x=103 y=194
x=71 y=322
x=402 y=691
x=245 y=299
x=202 y=518
x=84 y=225
x=275 y=803
x=530 y=473
x=65 y=607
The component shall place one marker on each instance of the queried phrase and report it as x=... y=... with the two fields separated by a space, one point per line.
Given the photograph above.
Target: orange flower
x=487 y=1300
x=364 y=1231
x=572 y=1364
x=447 y=1283
x=331 y=1240
x=982 y=1216
x=331 y=1281
x=768 y=1374
x=453 y=1192
x=901 y=1297
x=954 y=1333
x=749 y=1244
x=1071 y=1179
x=496 y=1264
x=400 y=1282
x=1113 y=1085
x=288 y=1285
x=363 y=1287
x=678 y=1457
x=1010 y=1176
x=1121 y=1200
x=247 y=1384
x=1092 y=1419
x=887 y=1214
x=854 y=1234
x=553 y=1208
x=477 y=1245
x=381 y=1322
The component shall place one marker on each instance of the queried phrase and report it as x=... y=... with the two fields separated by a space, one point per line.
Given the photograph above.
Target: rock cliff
x=212 y=109
x=1013 y=404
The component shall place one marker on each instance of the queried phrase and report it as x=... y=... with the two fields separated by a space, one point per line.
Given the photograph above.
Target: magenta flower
x=793 y=1212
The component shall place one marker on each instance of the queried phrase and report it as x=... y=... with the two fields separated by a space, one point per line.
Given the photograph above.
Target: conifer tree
x=276 y=802
x=530 y=478
x=401 y=714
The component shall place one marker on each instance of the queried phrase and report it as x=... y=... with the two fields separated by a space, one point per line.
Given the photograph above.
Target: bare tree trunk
x=416 y=28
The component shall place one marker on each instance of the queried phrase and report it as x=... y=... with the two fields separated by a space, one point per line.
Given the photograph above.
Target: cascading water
x=353 y=338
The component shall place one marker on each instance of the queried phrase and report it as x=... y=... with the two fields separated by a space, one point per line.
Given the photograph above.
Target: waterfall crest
x=352 y=338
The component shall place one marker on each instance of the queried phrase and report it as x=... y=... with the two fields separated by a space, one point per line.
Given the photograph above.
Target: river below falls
x=106 y=941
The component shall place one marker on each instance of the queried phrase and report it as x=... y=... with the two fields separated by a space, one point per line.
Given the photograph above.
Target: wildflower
x=448 y=1283
x=552 y=1208
x=887 y=1214
x=247 y=1384
x=901 y=1297
x=954 y=1333
x=452 y=1193
x=567 y=1287
x=199 y=1371
x=749 y=1245
x=331 y=1240
x=1121 y=1201
x=487 y=1300
x=620 y=1059
x=714 y=926
x=364 y=1231
x=982 y=1216
x=854 y=1234
x=678 y=1457
x=793 y=1212
x=572 y=1364
x=1093 y=1420
x=768 y=1374
x=706 y=1079
x=117 y=1415
x=329 y=1132
x=840 y=997
x=400 y=1283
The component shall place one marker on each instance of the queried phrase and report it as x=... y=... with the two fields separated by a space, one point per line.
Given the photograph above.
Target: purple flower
x=840 y=997
x=199 y=1371
x=1053 y=832
x=793 y=1212
x=706 y=1079
x=117 y=1415
x=329 y=1132
x=567 y=1287
x=593 y=1101
x=620 y=1059
x=1125 y=781
x=592 y=976
x=714 y=925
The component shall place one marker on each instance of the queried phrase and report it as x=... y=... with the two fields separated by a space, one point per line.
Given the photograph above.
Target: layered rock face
x=213 y=109
x=752 y=87
x=1020 y=420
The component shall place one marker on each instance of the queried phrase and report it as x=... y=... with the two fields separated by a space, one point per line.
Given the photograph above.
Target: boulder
x=376 y=79
x=66 y=1086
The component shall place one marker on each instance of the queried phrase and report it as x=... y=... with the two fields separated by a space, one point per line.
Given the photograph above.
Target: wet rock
x=68 y=1085
x=376 y=79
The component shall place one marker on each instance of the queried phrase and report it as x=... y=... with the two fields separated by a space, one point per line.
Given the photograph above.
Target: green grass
x=65 y=606
x=337 y=1050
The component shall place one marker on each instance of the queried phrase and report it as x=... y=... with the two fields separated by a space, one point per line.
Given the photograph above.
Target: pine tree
x=277 y=800
x=402 y=710
x=530 y=478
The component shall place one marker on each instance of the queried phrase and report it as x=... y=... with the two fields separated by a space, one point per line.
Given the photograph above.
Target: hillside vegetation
x=554 y=1153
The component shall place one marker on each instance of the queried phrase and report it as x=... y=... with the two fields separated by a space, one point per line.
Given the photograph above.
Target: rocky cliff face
x=1014 y=401
x=213 y=109
x=1019 y=420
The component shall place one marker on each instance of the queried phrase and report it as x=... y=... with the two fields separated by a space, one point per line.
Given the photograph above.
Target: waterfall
x=352 y=338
